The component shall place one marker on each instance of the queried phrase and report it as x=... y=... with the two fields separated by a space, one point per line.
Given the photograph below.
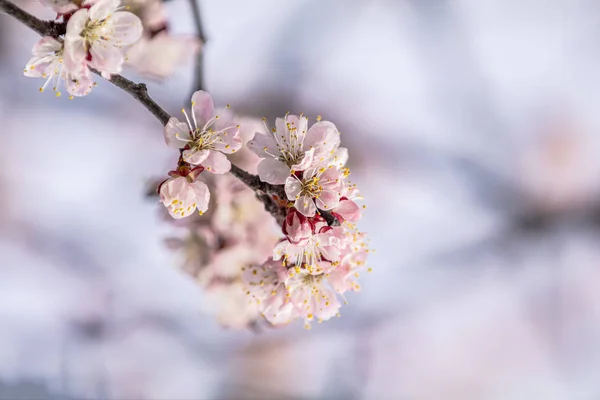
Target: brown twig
x=199 y=67
x=139 y=91
x=44 y=28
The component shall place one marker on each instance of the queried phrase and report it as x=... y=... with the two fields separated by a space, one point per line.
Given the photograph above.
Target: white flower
x=206 y=136
x=48 y=62
x=97 y=35
x=292 y=147
x=265 y=284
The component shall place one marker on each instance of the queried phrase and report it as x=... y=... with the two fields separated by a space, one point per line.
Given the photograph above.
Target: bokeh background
x=473 y=133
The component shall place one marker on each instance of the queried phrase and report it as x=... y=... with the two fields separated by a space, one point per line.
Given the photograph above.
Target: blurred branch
x=199 y=68
x=140 y=92
x=44 y=28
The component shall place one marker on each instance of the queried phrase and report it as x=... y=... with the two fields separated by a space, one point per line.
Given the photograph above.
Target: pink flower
x=292 y=147
x=317 y=185
x=97 y=34
x=355 y=253
x=312 y=296
x=266 y=285
x=206 y=136
x=158 y=56
x=317 y=253
x=182 y=194
x=48 y=62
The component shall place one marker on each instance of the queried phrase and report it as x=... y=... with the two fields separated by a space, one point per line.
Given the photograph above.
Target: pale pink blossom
x=355 y=252
x=97 y=35
x=312 y=296
x=182 y=194
x=292 y=146
x=347 y=209
x=48 y=62
x=265 y=284
x=158 y=56
x=319 y=187
x=228 y=302
x=322 y=245
x=206 y=136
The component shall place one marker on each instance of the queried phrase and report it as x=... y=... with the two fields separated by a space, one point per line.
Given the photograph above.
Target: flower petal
x=195 y=157
x=216 y=162
x=176 y=133
x=103 y=8
x=328 y=199
x=105 y=58
x=324 y=137
x=306 y=162
x=306 y=206
x=79 y=82
x=293 y=187
x=125 y=28
x=263 y=145
x=348 y=210
x=203 y=107
x=201 y=194
x=273 y=171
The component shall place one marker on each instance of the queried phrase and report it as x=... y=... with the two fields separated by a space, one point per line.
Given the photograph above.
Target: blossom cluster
x=105 y=35
x=203 y=141
x=317 y=260
x=304 y=274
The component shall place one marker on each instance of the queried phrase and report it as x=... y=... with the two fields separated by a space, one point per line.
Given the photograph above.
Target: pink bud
x=297 y=227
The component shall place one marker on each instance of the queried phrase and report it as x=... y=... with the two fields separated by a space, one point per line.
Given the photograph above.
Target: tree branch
x=139 y=91
x=44 y=28
x=199 y=68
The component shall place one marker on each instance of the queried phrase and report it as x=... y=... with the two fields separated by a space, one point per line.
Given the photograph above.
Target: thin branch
x=139 y=91
x=199 y=69
x=44 y=28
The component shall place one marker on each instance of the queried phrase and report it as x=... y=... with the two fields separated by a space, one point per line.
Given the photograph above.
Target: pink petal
x=306 y=161
x=348 y=210
x=79 y=82
x=203 y=107
x=273 y=171
x=103 y=8
x=176 y=133
x=293 y=187
x=46 y=46
x=306 y=206
x=216 y=162
x=107 y=59
x=340 y=157
x=328 y=199
x=263 y=145
x=126 y=28
x=202 y=195
x=195 y=157
x=76 y=24
x=324 y=137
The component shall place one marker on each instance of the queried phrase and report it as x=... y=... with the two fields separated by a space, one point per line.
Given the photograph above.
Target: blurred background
x=473 y=133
